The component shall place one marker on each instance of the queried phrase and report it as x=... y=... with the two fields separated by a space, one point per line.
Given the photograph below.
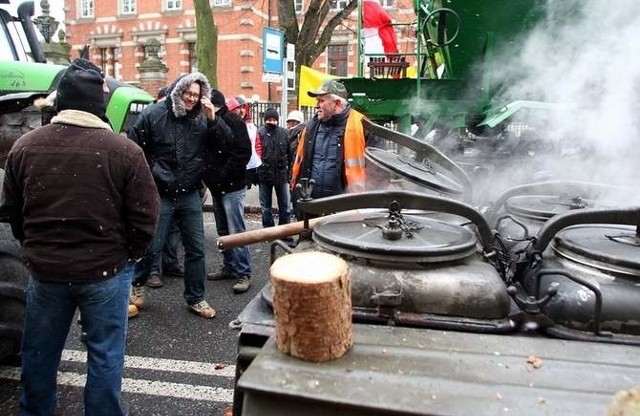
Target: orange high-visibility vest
x=354 y=160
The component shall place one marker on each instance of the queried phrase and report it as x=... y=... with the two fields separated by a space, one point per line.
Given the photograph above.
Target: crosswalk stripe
x=140 y=386
x=150 y=387
x=162 y=364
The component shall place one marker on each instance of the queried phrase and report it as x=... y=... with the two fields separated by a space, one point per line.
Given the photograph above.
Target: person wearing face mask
x=331 y=149
x=273 y=174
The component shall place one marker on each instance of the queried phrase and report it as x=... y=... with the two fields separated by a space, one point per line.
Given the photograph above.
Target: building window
x=193 y=58
x=338 y=59
x=86 y=8
x=109 y=59
x=128 y=6
x=337 y=5
x=297 y=5
x=173 y=4
x=388 y=4
x=221 y=3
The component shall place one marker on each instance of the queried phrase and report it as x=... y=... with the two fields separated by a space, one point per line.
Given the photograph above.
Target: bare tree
x=312 y=35
x=206 y=41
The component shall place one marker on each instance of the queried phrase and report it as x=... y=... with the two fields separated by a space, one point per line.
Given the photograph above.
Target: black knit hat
x=80 y=88
x=271 y=113
x=217 y=98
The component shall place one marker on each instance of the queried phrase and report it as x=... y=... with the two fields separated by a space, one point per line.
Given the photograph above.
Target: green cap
x=330 y=86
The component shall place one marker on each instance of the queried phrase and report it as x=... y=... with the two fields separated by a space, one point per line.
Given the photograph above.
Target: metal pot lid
x=374 y=235
x=427 y=174
x=610 y=248
x=543 y=207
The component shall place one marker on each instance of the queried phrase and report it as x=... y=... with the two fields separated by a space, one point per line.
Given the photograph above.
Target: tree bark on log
x=312 y=304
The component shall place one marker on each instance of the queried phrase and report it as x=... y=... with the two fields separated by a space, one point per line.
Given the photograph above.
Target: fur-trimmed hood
x=180 y=85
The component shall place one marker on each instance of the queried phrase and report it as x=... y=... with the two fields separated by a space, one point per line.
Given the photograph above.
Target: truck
x=25 y=77
x=449 y=319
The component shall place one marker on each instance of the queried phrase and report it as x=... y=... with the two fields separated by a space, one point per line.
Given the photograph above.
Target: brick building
x=117 y=32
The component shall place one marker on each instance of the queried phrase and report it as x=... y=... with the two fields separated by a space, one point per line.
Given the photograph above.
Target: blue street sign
x=272 y=50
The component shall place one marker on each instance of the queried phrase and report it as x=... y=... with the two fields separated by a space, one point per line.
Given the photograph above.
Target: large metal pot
x=414 y=260
x=520 y=212
x=583 y=276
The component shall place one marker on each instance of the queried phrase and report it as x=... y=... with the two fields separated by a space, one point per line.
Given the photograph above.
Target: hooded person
x=273 y=174
x=174 y=135
x=225 y=176
x=83 y=204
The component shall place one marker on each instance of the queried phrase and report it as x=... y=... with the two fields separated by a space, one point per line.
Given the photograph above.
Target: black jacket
x=173 y=139
x=275 y=155
x=227 y=157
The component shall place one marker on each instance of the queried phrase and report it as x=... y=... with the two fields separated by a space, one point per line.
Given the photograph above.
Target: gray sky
x=56 y=9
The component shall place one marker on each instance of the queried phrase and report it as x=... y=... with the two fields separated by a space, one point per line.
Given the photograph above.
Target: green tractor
x=24 y=78
x=459 y=97
x=454 y=83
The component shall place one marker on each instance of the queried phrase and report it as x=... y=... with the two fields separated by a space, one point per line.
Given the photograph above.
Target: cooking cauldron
x=581 y=276
x=414 y=260
x=521 y=211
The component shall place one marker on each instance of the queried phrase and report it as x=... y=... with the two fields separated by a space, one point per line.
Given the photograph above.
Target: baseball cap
x=330 y=86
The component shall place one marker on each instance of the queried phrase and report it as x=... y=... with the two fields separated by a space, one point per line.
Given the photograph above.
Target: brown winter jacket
x=80 y=198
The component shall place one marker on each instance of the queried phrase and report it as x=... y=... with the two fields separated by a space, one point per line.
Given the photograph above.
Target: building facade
x=117 y=32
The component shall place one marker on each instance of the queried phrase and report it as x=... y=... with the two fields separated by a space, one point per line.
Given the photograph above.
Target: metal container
x=584 y=276
x=519 y=213
x=411 y=265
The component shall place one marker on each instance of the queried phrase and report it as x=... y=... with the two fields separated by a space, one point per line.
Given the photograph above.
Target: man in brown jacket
x=83 y=204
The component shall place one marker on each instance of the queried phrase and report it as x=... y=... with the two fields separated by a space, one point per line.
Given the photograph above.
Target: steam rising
x=585 y=53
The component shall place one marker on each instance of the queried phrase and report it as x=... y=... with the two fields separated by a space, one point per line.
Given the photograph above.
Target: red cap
x=232 y=104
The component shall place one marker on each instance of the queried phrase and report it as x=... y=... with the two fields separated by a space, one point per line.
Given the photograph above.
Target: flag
x=379 y=35
x=310 y=79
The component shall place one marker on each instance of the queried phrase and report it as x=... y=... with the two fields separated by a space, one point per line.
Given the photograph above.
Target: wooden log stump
x=312 y=304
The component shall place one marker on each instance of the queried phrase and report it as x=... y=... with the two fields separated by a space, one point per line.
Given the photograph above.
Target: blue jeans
x=50 y=310
x=229 y=215
x=168 y=259
x=186 y=211
x=282 y=194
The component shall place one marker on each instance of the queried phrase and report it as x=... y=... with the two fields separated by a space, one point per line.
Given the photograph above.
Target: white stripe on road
x=150 y=387
x=161 y=364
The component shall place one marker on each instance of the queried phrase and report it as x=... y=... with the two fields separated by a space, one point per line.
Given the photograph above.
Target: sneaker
x=221 y=275
x=203 y=309
x=133 y=311
x=154 y=281
x=136 y=296
x=242 y=285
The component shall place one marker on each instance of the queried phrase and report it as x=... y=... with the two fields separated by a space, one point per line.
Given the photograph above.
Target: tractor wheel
x=14 y=125
x=14 y=276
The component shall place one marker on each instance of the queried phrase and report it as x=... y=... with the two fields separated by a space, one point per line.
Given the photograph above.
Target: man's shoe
x=203 y=309
x=136 y=296
x=242 y=285
x=132 y=312
x=222 y=274
x=154 y=281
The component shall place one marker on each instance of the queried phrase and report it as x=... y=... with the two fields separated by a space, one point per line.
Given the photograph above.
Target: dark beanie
x=271 y=113
x=80 y=88
x=217 y=98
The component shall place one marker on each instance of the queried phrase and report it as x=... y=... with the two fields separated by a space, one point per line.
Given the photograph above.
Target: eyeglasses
x=193 y=95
